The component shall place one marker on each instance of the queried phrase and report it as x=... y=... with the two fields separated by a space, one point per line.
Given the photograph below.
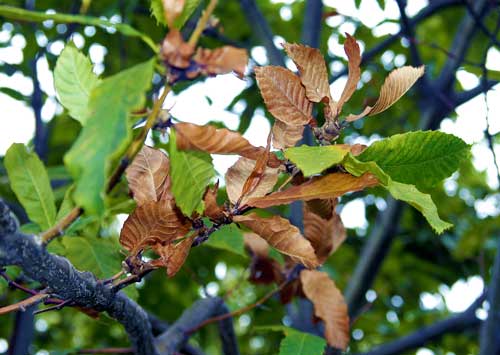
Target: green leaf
x=30 y=182
x=97 y=255
x=106 y=134
x=67 y=203
x=191 y=172
x=296 y=342
x=159 y=14
x=16 y=95
x=15 y=13
x=74 y=81
x=313 y=160
x=404 y=192
x=418 y=158
x=228 y=237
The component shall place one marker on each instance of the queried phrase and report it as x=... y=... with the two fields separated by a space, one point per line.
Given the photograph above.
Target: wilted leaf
x=148 y=176
x=172 y=255
x=284 y=95
x=172 y=10
x=30 y=182
x=153 y=223
x=222 y=60
x=329 y=305
x=263 y=269
x=283 y=236
x=313 y=160
x=323 y=208
x=74 y=80
x=237 y=175
x=106 y=133
x=351 y=48
x=175 y=51
x=212 y=209
x=256 y=244
x=312 y=67
x=285 y=136
x=397 y=83
x=191 y=173
x=329 y=186
x=325 y=235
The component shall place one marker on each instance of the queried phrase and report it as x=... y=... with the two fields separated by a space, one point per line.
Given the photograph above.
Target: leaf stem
x=202 y=23
x=132 y=151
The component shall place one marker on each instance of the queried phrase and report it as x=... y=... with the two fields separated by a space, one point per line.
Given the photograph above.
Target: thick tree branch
x=311 y=28
x=464 y=96
x=259 y=24
x=63 y=279
x=454 y=324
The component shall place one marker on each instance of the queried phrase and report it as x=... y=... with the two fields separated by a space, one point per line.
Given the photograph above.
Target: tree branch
x=454 y=324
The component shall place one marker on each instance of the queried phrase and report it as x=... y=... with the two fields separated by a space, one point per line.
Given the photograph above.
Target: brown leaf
x=237 y=175
x=284 y=95
x=218 y=141
x=329 y=305
x=153 y=223
x=323 y=208
x=357 y=149
x=172 y=9
x=148 y=176
x=325 y=235
x=329 y=186
x=172 y=256
x=256 y=244
x=397 y=83
x=283 y=236
x=351 y=48
x=312 y=67
x=285 y=136
x=175 y=51
x=222 y=60
x=212 y=209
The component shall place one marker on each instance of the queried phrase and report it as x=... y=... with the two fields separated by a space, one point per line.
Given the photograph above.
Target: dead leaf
x=148 y=176
x=357 y=149
x=172 y=9
x=218 y=141
x=285 y=136
x=222 y=60
x=397 y=83
x=312 y=67
x=284 y=95
x=329 y=186
x=353 y=52
x=256 y=244
x=329 y=305
x=153 y=223
x=212 y=209
x=323 y=208
x=237 y=175
x=325 y=235
x=172 y=256
x=281 y=235
x=175 y=51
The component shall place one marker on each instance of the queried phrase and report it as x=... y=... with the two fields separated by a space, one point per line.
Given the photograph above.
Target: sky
x=17 y=120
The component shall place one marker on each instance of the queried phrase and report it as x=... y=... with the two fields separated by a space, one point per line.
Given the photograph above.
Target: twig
x=22 y=305
x=57 y=307
x=107 y=351
x=202 y=23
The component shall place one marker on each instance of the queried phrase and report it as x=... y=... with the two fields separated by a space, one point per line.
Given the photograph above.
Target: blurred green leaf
x=228 y=237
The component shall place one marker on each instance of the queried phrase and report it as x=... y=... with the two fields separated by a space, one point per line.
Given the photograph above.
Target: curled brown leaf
x=285 y=136
x=175 y=51
x=222 y=60
x=329 y=305
x=353 y=52
x=172 y=255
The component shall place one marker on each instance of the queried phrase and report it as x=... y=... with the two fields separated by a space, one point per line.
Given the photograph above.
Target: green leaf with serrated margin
x=404 y=192
x=30 y=182
x=421 y=158
x=106 y=134
x=74 y=81
x=229 y=238
x=15 y=13
x=97 y=255
x=313 y=160
x=191 y=172
x=159 y=15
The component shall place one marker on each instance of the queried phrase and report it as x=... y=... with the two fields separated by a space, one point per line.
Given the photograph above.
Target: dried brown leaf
x=237 y=175
x=172 y=255
x=329 y=305
x=172 y=9
x=397 y=83
x=212 y=209
x=329 y=186
x=256 y=244
x=285 y=136
x=284 y=95
x=148 y=176
x=281 y=235
x=353 y=52
x=312 y=67
x=153 y=223
x=323 y=208
x=325 y=235
x=222 y=60
x=175 y=51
